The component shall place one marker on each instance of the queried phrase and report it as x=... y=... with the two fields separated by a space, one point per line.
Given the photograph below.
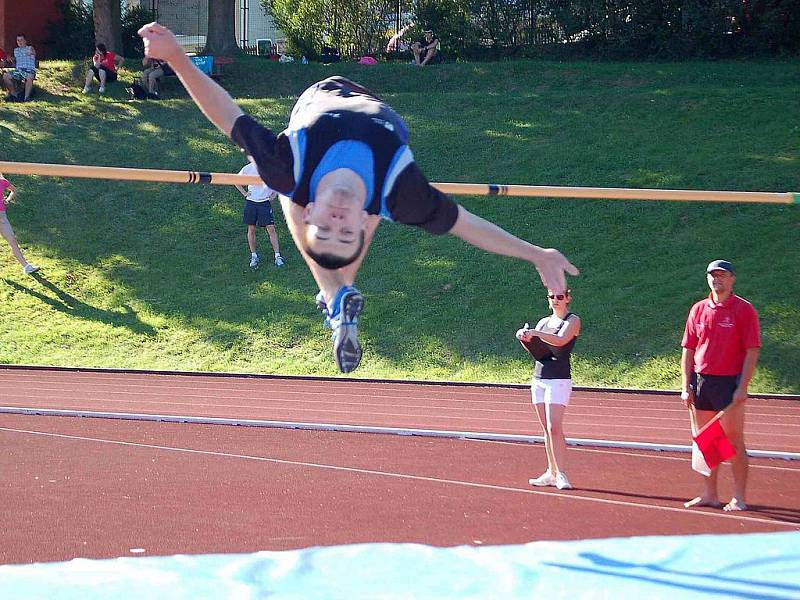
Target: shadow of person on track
x=781 y=514
x=69 y=304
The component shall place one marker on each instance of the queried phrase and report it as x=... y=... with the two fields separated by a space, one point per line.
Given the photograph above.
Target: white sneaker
x=30 y=269
x=543 y=480
x=86 y=90
x=562 y=482
x=279 y=260
x=254 y=261
x=102 y=89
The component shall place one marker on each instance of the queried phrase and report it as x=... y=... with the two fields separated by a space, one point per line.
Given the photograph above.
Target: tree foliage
x=354 y=27
x=591 y=28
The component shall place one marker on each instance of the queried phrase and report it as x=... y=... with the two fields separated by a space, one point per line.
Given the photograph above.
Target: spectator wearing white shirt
x=258 y=213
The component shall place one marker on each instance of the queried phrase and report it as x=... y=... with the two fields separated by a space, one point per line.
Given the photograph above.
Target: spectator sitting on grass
x=425 y=50
x=24 y=70
x=104 y=67
x=153 y=71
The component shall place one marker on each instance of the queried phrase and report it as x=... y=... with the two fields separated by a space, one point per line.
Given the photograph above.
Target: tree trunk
x=108 y=24
x=221 y=40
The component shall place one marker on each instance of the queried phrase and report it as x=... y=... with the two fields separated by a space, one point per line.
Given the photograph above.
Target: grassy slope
x=150 y=275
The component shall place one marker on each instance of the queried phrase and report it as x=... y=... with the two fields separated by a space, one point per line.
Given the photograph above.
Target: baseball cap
x=720 y=265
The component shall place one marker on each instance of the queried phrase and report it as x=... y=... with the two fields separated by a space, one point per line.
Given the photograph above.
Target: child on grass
x=5 y=226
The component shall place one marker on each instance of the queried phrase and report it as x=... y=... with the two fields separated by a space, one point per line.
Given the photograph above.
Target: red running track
x=772 y=423
x=96 y=488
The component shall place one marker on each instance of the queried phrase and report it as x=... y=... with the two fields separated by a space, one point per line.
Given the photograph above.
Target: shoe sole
x=346 y=347
x=536 y=483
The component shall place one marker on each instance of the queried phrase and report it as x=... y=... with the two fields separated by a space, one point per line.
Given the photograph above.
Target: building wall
x=188 y=19
x=29 y=17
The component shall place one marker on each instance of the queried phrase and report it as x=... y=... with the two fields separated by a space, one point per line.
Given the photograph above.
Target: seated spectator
x=426 y=50
x=3 y=57
x=104 y=68
x=153 y=71
x=24 y=72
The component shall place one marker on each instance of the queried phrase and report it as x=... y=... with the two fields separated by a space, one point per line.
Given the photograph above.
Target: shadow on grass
x=68 y=304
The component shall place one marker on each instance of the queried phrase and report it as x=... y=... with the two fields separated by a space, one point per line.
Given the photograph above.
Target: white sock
x=278 y=255
x=253 y=254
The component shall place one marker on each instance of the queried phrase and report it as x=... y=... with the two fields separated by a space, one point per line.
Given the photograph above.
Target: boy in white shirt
x=258 y=213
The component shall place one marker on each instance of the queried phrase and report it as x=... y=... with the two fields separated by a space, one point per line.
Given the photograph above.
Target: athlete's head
x=335 y=220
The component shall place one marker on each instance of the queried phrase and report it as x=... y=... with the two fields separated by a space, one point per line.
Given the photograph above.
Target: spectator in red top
x=721 y=344
x=104 y=67
x=3 y=57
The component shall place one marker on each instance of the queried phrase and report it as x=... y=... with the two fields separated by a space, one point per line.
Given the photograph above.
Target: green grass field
x=156 y=276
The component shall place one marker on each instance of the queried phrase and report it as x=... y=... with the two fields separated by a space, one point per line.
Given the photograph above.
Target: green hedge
x=557 y=28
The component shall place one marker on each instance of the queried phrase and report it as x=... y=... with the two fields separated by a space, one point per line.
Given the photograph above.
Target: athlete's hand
x=160 y=43
x=553 y=268
x=688 y=397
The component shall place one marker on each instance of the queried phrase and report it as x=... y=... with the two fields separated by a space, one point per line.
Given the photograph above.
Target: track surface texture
x=101 y=488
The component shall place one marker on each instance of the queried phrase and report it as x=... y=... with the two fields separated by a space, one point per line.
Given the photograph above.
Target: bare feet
x=735 y=505
x=700 y=501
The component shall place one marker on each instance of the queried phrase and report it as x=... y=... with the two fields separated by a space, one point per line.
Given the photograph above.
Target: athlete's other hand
x=553 y=268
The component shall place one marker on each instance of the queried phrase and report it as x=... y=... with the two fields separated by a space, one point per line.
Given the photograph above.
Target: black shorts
x=111 y=76
x=258 y=213
x=713 y=392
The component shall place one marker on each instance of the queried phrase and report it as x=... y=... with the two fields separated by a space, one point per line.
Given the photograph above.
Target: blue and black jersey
x=337 y=124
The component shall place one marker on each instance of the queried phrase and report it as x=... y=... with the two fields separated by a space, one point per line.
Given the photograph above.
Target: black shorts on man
x=713 y=392
x=111 y=76
x=258 y=213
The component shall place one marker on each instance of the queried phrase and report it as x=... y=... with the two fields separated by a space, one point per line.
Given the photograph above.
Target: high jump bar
x=457 y=189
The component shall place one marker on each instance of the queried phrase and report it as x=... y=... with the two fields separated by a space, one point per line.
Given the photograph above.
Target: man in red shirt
x=721 y=343
x=104 y=68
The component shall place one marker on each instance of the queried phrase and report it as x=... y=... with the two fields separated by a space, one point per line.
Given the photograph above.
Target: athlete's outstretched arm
x=551 y=264
x=213 y=100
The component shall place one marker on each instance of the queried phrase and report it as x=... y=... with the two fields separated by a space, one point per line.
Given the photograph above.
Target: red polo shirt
x=720 y=334
x=108 y=61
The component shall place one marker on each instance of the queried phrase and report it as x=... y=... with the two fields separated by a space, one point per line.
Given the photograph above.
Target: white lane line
x=643 y=454
x=487 y=486
x=344 y=427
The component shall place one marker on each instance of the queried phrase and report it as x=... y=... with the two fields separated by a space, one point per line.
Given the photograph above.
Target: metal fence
x=255 y=31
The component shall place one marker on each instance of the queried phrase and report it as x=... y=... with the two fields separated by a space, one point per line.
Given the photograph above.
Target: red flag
x=714 y=444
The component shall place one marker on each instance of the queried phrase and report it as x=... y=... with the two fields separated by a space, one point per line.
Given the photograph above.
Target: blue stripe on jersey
x=401 y=159
x=297 y=140
x=346 y=154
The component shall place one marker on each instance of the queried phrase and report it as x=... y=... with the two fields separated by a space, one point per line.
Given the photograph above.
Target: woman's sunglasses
x=556 y=296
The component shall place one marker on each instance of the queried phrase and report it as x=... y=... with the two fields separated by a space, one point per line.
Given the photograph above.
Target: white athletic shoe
x=543 y=480
x=562 y=482
x=30 y=269
x=86 y=90
x=254 y=261
x=102 y=89
x=279 y=261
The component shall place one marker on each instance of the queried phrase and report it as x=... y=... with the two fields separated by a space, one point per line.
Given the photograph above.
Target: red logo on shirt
x=727 y=322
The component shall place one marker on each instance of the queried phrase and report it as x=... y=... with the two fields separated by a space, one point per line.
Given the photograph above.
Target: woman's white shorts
x=551 y=391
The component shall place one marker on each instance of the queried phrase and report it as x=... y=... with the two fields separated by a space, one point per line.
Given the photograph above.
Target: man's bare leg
x=734 y=428
x=710 y=496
